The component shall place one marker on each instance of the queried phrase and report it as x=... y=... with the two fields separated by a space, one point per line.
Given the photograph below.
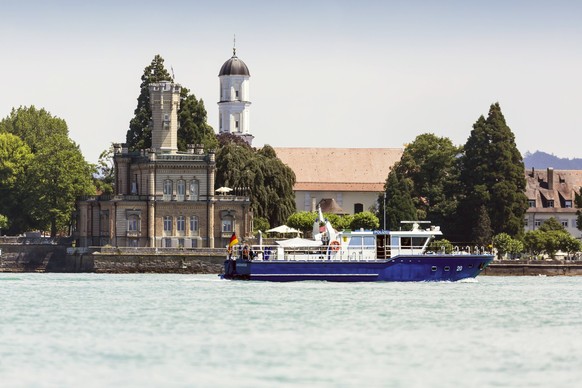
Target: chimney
x=550 y=178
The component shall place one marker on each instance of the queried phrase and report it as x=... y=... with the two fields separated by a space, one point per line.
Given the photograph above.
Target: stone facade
x=164 y=198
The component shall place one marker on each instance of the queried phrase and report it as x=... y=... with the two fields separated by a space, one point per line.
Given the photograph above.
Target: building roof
x=340 y=169
x=552 y=185
x=234 y=66
x=329 y=205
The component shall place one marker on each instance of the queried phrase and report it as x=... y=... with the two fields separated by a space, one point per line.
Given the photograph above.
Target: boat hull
x=397 y=269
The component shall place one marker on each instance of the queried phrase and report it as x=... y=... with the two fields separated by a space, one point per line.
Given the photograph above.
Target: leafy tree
x=429 y=166
x=535 y=241
x=15 y=160
x=3 y=223
x=578 y=201
x=365 y=220
x=268 y=181
x=55 y=173
x=260 y=224
x=193 y=126
x=399 y=204
x=139 y=135
x=192 y=115
x=442 y=245
x=482 y=231
x=104 y=179
x=505 y=244
x=552 y=224
x=491 y=175
x=302 y=221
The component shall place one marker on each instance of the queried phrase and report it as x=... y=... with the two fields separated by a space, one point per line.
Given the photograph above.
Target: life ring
x=334 y=246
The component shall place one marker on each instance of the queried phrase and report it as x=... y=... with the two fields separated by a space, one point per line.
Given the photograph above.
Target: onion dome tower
x=234 y=104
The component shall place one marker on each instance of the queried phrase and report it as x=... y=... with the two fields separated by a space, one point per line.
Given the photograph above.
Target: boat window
x=447 y=268
x=356 y=241
x=405 y=242
x=418 y=242
x=434 y=268
x=369 y=241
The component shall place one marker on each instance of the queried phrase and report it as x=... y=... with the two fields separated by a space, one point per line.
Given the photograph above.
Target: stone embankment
x=45 y=257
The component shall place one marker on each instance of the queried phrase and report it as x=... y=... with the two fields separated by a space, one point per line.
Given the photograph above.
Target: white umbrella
x=284 y=229
x=223 y=190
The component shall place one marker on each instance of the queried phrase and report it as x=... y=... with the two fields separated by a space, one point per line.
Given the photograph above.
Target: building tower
x=165 y=102
x=234 y=104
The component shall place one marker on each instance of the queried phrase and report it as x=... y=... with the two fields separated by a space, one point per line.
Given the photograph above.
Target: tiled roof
x=340 y=169
x=564 y=185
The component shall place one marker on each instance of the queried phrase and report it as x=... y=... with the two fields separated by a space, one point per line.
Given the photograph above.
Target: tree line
x=475 y=192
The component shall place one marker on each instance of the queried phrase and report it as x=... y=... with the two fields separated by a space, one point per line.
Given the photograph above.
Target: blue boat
x=357 y=256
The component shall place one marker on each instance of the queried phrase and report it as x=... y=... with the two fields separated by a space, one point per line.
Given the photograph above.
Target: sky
x=323 y=73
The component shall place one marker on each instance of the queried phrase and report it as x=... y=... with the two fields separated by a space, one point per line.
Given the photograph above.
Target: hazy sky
x=323 y=73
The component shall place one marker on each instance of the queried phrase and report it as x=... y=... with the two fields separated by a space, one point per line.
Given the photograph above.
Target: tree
x=302 y=221
x=260 y=224
x=3 y=223
x=399 y=205
x=505 y=244
x=491 y=175
x=365 y=220
x=139 y=135
x=429 y=166
x=192 y=115
x=54 y=176
x=482 y=231
x=104 y=178
x=578 y=201
x=552 y=224
x=267 y=180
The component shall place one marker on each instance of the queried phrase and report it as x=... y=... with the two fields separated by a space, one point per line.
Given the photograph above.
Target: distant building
x=163 y=198
x=234 y=104
x=551 y=193
x=352 y=177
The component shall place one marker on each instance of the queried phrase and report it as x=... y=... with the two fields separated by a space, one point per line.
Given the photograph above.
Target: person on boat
x=247 y=253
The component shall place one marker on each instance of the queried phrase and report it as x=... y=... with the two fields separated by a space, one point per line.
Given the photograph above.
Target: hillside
x=540 y=159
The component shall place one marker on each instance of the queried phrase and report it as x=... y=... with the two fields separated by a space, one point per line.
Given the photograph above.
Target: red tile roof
x=340 y=169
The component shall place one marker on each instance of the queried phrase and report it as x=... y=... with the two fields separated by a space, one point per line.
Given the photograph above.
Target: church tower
x=165 y=102
x=234 y=104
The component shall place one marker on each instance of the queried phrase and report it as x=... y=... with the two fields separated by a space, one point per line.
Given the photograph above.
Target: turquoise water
x=89 y=330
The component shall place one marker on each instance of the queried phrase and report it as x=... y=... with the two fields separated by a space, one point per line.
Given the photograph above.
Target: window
x=358 y=208
x=531 y=202
x=537 y=223
x=194 y=190
x=550 y=203
x=168 y=190
x=227 y=225
x=132 y=224
x=236 y=94
x=180 y=224
x=525 y=222
x=564 y=223
x=180 y=243
x=168 y=242
x=168 y=224
x=236 y=124
x=180 y=190
x=194 y=225
x=568 y=203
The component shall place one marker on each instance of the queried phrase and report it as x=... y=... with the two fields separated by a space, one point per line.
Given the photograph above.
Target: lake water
x=93 y=330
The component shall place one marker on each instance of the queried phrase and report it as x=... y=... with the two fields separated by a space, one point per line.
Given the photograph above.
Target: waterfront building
x=551 y=193
x=163 y=197
x=352 y=177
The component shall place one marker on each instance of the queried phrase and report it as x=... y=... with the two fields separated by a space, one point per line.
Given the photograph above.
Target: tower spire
x=234 y=46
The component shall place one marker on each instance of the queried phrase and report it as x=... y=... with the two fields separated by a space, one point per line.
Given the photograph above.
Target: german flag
x=233 y=242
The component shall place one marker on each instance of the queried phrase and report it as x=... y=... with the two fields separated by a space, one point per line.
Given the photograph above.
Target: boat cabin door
x=383 y=246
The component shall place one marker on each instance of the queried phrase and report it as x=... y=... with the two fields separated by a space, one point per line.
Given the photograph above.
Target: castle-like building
x=166 y=198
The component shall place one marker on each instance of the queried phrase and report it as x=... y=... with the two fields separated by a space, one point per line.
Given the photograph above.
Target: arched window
x=180 y=224
x=194 y=190
x=168 y=190
x=168 y=225
x=180 y=190
x=194 y=225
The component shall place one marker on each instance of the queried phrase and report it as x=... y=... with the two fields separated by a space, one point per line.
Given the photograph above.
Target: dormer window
x=531 y=202
x=550 y=203
x=568 y=203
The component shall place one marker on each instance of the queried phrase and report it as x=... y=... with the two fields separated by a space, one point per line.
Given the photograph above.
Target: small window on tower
x=236 y=124
x=236 y=94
